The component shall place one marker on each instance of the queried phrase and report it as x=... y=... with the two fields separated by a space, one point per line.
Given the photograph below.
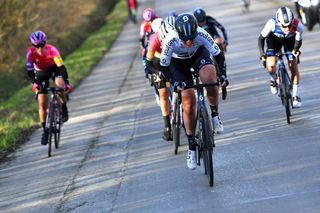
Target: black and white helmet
x=164 y=30
x=186 y=26
x=284 y=16
x=171 y=20
x=162 y=27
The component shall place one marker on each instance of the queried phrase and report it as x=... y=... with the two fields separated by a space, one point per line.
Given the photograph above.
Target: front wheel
x=50 y=121
x=176 y=127
x=207 y=146
x=286 y=95
x=58 y=124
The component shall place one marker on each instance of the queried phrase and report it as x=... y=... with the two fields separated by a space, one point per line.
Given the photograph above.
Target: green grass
x=19 y=114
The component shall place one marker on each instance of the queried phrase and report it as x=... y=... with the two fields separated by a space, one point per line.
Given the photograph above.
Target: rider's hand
x=224 y=82
x=36 y=87
x=178 y=86
x=296 y=53
x=157 y=77
x=263 y=60
x=68 y=88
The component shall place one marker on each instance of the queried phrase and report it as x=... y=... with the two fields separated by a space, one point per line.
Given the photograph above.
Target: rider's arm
x=270 y=25
x=298 y=38
x=206 y=39
x=30 y=67
x=221 y=61
x=60 y=65
x=165 y=59
x=261 y=41
x=220 y=26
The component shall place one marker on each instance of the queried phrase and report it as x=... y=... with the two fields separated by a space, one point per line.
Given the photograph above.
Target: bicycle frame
x=203 y=129
x=284 y=84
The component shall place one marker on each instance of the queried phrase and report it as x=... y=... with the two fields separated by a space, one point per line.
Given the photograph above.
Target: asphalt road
x=112 y=159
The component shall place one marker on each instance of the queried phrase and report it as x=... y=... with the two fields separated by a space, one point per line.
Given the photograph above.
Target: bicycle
x=284 y=83
x=203 y=129
x=54 y=117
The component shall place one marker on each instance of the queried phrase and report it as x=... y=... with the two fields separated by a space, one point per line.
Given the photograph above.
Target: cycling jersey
x=272 y=26
x=154 y=47
x=50 y=57
x=211 y=25
x=276 y=37
x=174 y=47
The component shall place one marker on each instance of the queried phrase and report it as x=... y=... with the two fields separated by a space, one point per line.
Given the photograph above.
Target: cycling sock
x=166 y=120
x=214 y=111
x=295 y=90
x=64 y=105
x=191 y=141
x=273 y=77
x=43 y=126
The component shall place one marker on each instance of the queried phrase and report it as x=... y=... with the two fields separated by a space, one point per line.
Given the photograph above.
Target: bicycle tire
x=207 y=146
x=50 y=120
x=58 y=124
x=285 y=90
x=176 y=127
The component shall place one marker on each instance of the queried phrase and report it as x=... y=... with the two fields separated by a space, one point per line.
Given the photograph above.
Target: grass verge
x=19 y=114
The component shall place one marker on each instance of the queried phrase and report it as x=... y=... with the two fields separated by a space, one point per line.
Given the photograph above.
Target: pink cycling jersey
x=50 y=57
x=154 y=47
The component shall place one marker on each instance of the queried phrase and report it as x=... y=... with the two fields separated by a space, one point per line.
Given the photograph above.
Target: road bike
x=54 y=117
x=204 y=133
x=284 y=83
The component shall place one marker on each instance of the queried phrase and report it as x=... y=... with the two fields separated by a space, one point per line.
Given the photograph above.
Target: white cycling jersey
x=174 y=47
x=273 y=27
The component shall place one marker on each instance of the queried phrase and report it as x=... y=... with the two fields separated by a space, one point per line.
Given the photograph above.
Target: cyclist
x=283 y=30
x=190 y=48
x=160 y=29
x=210 y=24
x=145 y=27
x=44 y=63
x=132 y=9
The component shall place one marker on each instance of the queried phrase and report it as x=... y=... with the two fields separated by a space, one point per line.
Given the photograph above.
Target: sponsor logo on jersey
x=206 y=36
x=168 y=45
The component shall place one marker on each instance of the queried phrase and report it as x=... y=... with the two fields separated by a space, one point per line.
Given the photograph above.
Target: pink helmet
x=38 y=38
x=148 y=14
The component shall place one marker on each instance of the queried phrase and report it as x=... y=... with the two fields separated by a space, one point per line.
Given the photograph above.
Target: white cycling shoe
x=274 y=87
x=296 y=102
x=191 y=159
x=217 y=124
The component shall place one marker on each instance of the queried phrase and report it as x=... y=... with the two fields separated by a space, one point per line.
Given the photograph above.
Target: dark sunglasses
x=40 y=45
x=286 y=26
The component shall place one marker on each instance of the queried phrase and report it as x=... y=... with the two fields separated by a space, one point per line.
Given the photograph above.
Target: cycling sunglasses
x=40 y=45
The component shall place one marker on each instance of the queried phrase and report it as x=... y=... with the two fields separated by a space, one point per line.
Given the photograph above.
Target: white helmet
x=284 y=16
x=155 y=25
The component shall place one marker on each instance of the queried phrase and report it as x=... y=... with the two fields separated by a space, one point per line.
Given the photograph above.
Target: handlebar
x=48 y=89
x=184 y=87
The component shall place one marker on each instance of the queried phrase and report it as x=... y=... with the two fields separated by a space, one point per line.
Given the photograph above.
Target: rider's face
x=285 y=28
x=188 y=43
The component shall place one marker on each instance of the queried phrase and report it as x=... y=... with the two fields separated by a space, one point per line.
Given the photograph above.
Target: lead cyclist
x=190 y=47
